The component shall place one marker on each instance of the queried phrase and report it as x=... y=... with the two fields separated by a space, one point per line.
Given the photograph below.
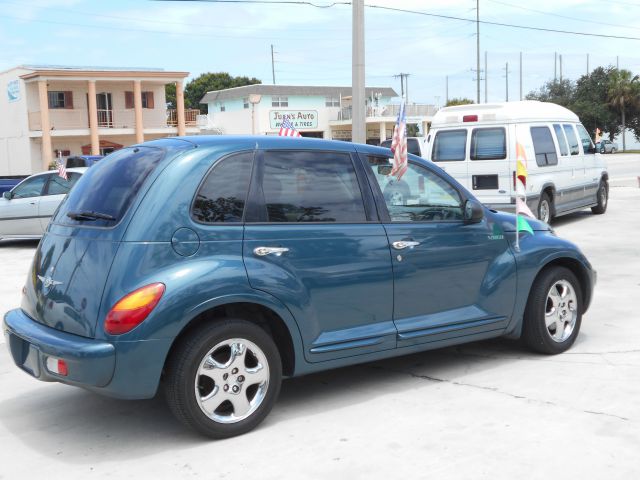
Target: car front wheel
x=224 y=378
x=554 y=311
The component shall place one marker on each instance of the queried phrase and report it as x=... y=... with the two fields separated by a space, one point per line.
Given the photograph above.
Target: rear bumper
x=91 y=362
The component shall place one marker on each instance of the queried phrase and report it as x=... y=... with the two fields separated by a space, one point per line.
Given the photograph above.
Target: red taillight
x=131 y=310
x=470 y=118
x=57 y=366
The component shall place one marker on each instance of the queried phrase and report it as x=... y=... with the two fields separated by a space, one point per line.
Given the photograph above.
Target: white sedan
x=26 y=210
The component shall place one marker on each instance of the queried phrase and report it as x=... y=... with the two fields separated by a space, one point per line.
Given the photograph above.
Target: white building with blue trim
x=315 y=111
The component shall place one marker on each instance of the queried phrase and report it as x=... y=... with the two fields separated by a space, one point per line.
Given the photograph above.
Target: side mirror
x=7 y=195
x=473 y=211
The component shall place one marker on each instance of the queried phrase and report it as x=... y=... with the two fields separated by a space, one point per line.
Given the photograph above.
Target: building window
x=60 y=100
x=222 y=107
x=279 y=101
x=332 y=102
x=245 y=102
x=147 y=100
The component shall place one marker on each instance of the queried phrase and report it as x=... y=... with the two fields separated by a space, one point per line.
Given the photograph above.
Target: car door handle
x=277 y=251
x=401 y=245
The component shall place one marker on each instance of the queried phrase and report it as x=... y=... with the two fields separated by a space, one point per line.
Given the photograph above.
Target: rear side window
x=572 y=139
x=311 y=187
x=222 y=195
x=488 y=144
x=449 y=145
x=562 y=142
x=543 y=146
x=59 y=186
x=109 y=187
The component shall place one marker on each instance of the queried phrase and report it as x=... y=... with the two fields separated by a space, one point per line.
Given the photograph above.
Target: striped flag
x=62 y=171
x=521 y=194
x=399 y=145
x=288 y=130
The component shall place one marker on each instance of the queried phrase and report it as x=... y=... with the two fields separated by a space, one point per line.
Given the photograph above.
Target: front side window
x=109 y=187
x=543 y=146
x=449 y=145
x=420 y=196
x=279 y=101
x=562 y=141
x=587 y=144
x=31 y=187
x=488 y=144
x=222 y=195
x=59 y=186
x=311 y=187
x=572 y=139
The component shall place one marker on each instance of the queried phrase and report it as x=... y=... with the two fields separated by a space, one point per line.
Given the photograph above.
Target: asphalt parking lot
x=484 y=410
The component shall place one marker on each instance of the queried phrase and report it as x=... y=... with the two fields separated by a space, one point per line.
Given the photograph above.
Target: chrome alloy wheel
x=603 y=196
x=545 y=211
x=232 y=380
x=561 y=310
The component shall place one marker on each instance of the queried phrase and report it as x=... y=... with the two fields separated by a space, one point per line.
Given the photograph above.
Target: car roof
x=74 y=169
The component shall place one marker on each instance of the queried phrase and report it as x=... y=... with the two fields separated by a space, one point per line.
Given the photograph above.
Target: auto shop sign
x=300 y=119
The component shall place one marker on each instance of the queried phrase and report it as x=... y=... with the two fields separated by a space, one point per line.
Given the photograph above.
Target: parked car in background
x=7 y=183
x=26 y=209
x=415 y=146
x=606 y=146
x=82 y=160
x=476 y=144
x=215 y=266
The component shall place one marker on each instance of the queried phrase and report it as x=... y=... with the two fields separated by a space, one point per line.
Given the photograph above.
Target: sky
x=313 y=45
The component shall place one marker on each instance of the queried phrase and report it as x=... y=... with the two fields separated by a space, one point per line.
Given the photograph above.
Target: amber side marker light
x=131 y=310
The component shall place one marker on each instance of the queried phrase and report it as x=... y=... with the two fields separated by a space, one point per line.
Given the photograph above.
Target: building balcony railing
x=412 y=110
x=78 y=119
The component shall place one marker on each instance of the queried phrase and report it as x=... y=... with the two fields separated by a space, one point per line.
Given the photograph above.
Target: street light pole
x=358 y=121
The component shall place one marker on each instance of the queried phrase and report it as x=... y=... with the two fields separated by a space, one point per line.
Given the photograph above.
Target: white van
x=476 y=144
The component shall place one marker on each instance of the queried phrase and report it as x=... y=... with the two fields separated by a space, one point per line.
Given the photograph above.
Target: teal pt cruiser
x=212 y=267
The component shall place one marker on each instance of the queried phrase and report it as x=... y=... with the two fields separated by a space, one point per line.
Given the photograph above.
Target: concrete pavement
x=484 y=410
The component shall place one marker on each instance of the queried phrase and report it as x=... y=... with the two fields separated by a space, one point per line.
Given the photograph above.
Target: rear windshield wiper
x=90 y=216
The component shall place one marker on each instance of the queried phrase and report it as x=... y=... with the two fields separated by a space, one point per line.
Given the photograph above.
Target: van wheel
x=603 y=198
x=224 y=378
x=554 y=312
x=544 y=208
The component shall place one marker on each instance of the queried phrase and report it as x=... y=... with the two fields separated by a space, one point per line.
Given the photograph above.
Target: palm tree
x=624 y=90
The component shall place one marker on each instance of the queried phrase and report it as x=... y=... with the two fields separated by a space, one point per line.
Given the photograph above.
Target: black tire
x=184 y=398
x=545 y=200
x=613 y=150
x=535 y=333
x=603 y=198
x=603 y=150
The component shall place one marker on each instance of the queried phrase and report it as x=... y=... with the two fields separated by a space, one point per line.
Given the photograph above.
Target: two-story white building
x=315 y=111
x=51 y=111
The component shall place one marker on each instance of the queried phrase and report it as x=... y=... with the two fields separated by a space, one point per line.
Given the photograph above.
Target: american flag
x=62 y=171
x=399 y=145
x=288 y=130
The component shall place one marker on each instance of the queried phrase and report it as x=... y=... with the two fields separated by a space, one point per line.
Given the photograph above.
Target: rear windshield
x=104 y=193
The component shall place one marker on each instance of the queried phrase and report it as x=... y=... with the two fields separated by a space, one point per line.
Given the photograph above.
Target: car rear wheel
x=603 y=198
x=224 y=378
x=554 y=312
x=603 y=150
x=613 y=150
x=544 y=208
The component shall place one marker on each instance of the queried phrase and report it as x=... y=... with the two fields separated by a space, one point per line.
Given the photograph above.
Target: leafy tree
x=459 y=101
x=591 y=102
x=196 y=88
x=555 y=91
x=624 y=93
x=170 y=95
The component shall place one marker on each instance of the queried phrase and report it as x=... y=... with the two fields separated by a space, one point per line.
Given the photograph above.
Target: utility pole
x=404 y=85
x=520 y=76
x=555 y=66
x=561 y=68
x=506 y=76
x=617 y=62
x=486 y=78
x=587 y=64
x=478 y=48
x=359 y=119
x=273 y=68
x=446 y=91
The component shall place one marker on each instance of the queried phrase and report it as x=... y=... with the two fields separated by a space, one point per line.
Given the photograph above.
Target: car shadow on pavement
x=20 y=243
x=572 y=218
x=76 y=426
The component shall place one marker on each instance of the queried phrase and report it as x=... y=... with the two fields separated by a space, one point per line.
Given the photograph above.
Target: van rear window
x=449 y=145
x=488 y=144
x=106 y=190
